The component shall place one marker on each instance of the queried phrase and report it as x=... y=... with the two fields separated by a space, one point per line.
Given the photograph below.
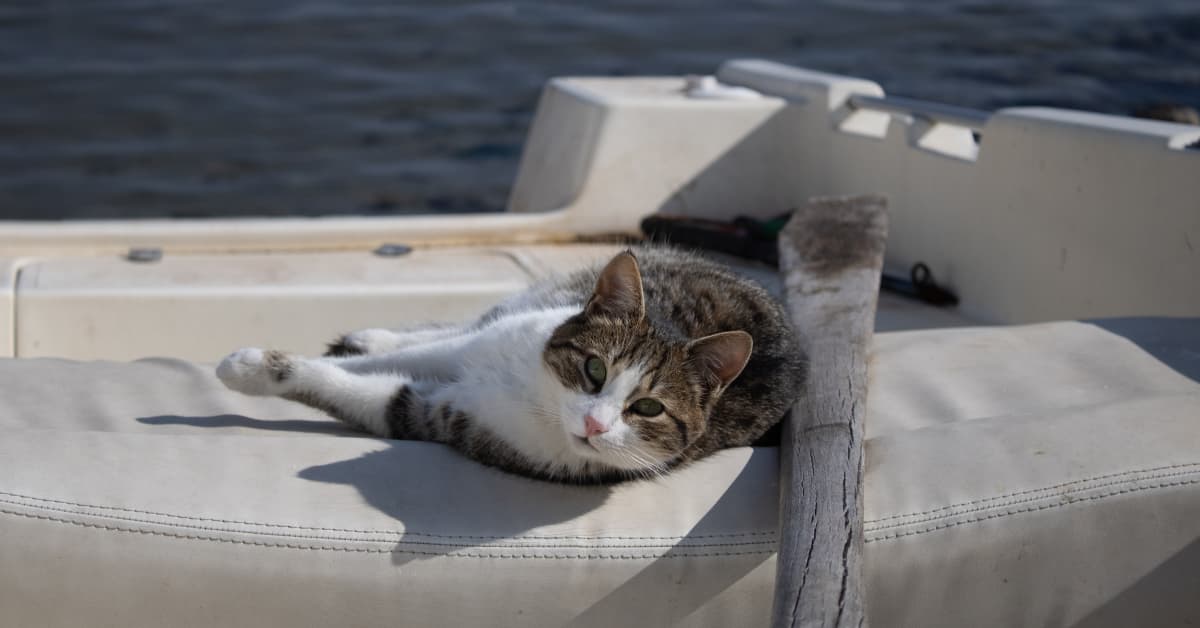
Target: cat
x=654 y=361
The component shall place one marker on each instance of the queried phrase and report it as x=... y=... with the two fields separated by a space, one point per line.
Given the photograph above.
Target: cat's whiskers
x=647 y=466
x=652 y=463
x=644 y=470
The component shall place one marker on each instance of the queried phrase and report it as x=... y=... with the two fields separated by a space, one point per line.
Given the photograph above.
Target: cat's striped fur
x=672 y=332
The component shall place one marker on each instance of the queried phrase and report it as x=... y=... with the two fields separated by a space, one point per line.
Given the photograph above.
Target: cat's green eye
x=595 y=370
x=647 y=407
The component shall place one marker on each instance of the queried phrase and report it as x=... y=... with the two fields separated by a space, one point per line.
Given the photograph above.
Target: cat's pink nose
x=592 y=426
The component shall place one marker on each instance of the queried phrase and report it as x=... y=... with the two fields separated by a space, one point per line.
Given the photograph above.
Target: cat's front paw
x=256 y=372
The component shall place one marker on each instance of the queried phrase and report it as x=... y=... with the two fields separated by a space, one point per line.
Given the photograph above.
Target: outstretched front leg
x=390 y=405
x=378 y=341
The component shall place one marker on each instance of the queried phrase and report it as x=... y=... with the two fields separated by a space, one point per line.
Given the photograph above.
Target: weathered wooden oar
x=831 y=255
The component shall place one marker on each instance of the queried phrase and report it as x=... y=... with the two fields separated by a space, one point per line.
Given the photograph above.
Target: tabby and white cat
x=607 y=374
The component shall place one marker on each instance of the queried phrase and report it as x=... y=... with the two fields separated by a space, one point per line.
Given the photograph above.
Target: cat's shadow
x=440 y=499
x=438 y=495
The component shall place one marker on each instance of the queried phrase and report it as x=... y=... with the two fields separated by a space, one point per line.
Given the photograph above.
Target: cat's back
x=685 y=295
x=697 y=297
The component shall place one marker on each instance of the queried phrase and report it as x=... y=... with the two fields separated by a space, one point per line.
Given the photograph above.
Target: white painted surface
x=651 y=148
x=200 y=307
x=1055 y=215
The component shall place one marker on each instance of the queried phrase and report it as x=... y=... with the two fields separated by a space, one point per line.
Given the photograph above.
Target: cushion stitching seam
x=1029 y=510
x=352 y=530
x=451 y=554
x=397 y=538
x=1163 y=476
x=1035 y=490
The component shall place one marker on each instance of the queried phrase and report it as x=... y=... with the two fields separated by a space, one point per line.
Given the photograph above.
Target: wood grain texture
x=831 y=256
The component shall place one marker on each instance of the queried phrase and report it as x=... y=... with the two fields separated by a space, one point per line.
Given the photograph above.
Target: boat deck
x=198 y=307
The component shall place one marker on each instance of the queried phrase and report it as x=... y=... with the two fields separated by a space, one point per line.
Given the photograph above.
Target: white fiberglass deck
x=200 y=307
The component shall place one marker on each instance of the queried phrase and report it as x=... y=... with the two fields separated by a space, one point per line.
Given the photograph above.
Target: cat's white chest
x=504 y=383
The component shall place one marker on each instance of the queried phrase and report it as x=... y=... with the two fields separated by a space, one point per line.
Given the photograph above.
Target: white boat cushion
x=1038 y=475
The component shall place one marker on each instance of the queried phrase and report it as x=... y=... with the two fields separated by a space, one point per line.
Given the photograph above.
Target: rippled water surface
x=266 y=107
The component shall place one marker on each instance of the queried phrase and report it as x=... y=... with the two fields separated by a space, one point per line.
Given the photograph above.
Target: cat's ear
x=722 y=355
x=619 y=290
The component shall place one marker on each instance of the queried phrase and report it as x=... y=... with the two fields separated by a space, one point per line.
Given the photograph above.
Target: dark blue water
x=130 y=108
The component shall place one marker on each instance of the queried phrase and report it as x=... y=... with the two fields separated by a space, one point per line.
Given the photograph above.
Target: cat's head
x=635 y=396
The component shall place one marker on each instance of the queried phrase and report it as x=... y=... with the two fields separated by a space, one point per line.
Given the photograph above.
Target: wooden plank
x=831 y=255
